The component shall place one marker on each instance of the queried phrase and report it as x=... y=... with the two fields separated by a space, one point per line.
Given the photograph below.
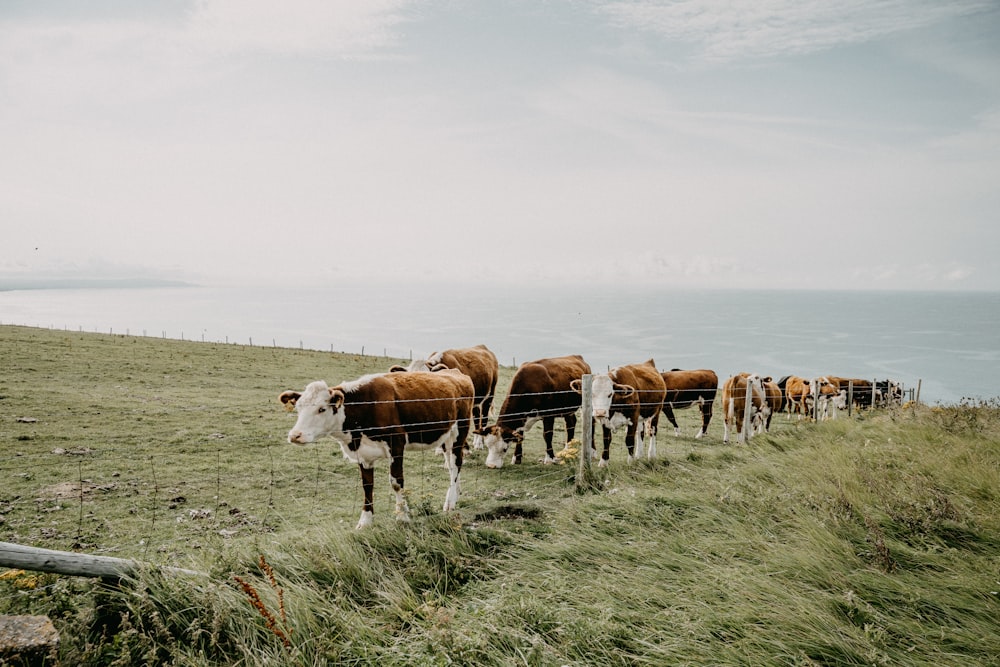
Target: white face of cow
x=497 y=442
x=602 y=392
x=320 y=412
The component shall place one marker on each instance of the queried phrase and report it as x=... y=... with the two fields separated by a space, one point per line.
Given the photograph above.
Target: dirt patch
x=72 y=490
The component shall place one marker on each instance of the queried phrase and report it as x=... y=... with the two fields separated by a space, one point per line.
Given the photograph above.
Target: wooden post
x=74 y=564
x=815 y=394
x=850 y=397
x=748 y=412
x=917 y=399
x=587 y=428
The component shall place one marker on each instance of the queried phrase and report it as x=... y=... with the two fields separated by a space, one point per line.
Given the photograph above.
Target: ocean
x=946 y=341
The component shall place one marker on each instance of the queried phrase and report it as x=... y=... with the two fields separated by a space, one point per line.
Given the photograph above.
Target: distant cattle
x=858 y=390
x=480 y=364
x=539 y=390
x=630 y=396
x=802 y=396
x=684 y=389
x=888 y=392
x=734 y=402
x=380 y=416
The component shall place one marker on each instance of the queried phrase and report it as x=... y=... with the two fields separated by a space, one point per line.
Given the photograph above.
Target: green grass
x=868 y=541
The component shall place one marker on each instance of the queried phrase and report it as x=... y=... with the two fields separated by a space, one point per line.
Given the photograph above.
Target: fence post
x=587 y=429
x=814 y=391
x=747 y=412
x=850 y=397
x=920 y=381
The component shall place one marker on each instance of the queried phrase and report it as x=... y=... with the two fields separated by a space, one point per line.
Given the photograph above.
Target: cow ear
x=398 y=369
x=577 y=386
x=289 y=398
x=336 y=398
x=438 y=367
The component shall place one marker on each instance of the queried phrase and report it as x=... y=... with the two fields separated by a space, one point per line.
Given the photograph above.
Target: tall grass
x=873 y=541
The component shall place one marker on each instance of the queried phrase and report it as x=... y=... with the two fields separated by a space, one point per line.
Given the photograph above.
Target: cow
x=888 y=392
x=539 y=390
x=380 y=416
x=798 y=395
x=734 y=400
x=830 y=396
x=771 y=404
x=684 y=389
x=860 y=390
x=801 y=395
x=480 y=364
x=628 y=396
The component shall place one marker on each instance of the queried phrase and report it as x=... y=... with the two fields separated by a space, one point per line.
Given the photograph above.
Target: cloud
x=725 y=31
x=342 y=28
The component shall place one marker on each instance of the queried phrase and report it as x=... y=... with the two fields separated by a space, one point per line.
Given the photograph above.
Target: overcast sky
x=766 y=143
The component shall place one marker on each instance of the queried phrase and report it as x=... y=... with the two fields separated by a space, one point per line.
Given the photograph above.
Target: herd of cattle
x=436 y=403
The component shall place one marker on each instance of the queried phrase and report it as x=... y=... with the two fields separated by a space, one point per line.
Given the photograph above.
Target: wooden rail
x=74 y=564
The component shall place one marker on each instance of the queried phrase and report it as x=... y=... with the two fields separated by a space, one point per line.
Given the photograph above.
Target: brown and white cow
x=539 y=390
x=684 y=389
x=480 y=364
x=830 y=396
x=628 y=396
x=734 y=401
x=771 y=404
x=380 y=416
x=798 y=395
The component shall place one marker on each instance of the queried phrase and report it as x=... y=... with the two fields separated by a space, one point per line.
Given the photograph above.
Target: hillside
x=872 y=540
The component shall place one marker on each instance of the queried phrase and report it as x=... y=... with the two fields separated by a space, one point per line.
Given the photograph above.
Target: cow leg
x=570 y=426
x=650 y=425
x=518 y=449
x=631 y=431
x=606 y=454
x=548 y=428
x=478 y=422
x=706 y=417
x=368 y=487
x=454 y=459
x=669 y=412
x=396 y=479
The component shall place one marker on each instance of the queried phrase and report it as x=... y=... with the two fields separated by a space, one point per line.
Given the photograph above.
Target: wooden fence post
x=850 y=397
x=74 y=564
x=587 y=428
x=748 y=412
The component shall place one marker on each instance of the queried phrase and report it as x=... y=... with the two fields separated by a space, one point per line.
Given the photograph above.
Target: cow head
x=320 y=412
x=498 y=440
x=603 y=393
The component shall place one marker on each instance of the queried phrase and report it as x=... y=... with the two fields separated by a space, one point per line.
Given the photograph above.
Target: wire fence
x=163 y=502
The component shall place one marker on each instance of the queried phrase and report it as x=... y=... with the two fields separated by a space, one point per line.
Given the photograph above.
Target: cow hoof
x=365 y=520
x=547 y=460
x=603 y=463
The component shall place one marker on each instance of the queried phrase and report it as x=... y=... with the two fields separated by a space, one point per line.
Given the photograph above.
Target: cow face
x=603 y=393
x=498 y=440
x=320 y=412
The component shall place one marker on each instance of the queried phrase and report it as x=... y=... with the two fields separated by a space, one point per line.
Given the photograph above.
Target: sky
x=810 y=144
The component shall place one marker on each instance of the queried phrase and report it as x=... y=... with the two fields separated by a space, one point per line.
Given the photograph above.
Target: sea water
x=946 y=341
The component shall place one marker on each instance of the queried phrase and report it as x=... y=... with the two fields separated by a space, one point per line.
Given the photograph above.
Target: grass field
x=869 y=541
